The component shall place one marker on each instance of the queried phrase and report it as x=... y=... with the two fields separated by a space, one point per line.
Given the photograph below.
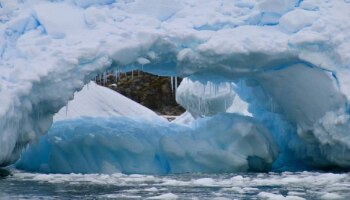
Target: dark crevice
x=4 y=173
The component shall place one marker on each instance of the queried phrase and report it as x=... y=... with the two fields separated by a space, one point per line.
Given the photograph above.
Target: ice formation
x=101 y=131
x=287 y=60
x=224 y=143
x=205 y=99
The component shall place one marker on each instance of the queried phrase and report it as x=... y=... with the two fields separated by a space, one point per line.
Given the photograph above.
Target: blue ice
x=222 y=143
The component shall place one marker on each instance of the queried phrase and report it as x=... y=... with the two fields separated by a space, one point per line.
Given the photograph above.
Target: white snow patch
x=98 y=101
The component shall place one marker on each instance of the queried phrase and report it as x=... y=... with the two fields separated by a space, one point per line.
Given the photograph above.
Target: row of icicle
x=117 y=74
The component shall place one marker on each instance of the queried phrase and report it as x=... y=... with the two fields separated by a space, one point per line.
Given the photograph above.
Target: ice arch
x=297 y=102
x=47 y=56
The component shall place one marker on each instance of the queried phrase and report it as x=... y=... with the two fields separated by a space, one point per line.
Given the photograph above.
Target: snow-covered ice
x=97 y=101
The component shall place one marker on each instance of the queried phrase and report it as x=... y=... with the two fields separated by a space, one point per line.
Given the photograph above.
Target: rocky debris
x=151 y=91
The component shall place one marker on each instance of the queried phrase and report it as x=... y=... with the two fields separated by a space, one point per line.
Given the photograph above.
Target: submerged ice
x=287 y=62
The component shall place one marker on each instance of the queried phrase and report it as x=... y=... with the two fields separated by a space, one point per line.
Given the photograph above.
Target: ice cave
x=266 y=85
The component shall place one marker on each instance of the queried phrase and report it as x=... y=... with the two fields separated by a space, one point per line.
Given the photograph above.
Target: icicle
x=210 y=86
x=116 y=75
x=172 y=84
x=104 y=78
x=175 y=84
x=203 y=89
x=132 y=74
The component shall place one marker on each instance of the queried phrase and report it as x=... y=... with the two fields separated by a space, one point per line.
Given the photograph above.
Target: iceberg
x=220 y=144
x=286 y=61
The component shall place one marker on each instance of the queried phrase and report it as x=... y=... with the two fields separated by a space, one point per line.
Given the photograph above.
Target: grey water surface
x=301 y=185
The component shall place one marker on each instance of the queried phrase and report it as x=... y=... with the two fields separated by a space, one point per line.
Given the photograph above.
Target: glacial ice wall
x=271 y=49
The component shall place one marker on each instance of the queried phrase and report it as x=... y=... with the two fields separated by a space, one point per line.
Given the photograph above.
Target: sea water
x=286 y=185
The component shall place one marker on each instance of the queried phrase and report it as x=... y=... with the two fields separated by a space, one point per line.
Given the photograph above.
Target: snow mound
x=97 y=101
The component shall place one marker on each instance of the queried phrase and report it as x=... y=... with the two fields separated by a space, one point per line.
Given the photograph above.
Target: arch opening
x=287 y=111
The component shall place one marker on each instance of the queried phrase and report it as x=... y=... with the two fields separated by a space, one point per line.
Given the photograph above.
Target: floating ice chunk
x=152 y=189
x=204 y=181
x=297 y=19
x=169 y=196
x=272 y=196
x=330 y=196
